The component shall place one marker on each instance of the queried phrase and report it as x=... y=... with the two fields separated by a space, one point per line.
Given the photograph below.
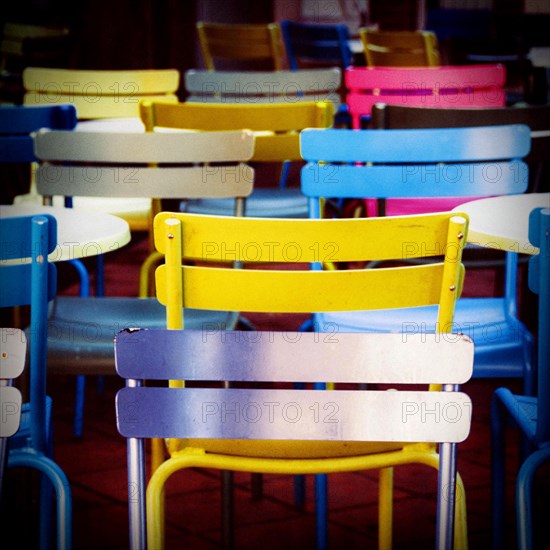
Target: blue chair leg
x=498 y=426
x=524 y=497
x=321 y=510
x=60 y=483
x=78 y=421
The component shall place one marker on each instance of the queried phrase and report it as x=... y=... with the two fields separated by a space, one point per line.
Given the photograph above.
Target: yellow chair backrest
x=291 y=241
x=99 y=94
x=242 y=43
x=277 y=125
x=399 y=48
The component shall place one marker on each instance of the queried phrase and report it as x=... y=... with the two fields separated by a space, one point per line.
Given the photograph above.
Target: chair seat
x=262 y=203
x=503 y=346
x=523 y=409
x=81 y=330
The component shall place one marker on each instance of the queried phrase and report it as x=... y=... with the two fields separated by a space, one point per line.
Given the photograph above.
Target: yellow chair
x=399 y=48
x=243 y=44
x=224 y=239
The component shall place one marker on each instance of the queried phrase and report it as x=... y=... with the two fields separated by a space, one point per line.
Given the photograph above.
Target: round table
x=80 y=233
x=503 y=222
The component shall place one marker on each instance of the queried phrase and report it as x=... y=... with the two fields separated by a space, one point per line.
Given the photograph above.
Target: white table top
x=503 y=222
x=79 y=233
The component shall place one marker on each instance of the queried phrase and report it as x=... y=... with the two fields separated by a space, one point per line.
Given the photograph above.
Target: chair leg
x=461 y=519
x=227 y=511
x=321 y=510
x=497 y=471
x=78 y=421
x=524 y=497
x=385 y=508
x=60 y=483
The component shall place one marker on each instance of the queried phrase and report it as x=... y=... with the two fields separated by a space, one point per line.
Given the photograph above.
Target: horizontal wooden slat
x=14 y=349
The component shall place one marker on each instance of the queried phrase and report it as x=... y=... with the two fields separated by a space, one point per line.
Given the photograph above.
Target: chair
x=380 y=160
x=34 y=283
x=12 y=364
x=141 y=165
x=99 y=94
x=537 y=117
x=444 y=86
x=256 y=46
x=16 y=145
x=399 y=48
x=278 y=128
x=29 y=46
x=249 y=87
x=219 y=239
x=309 y=44
x=530 y=414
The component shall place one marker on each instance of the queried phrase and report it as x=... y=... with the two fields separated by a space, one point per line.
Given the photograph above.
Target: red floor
x=96 y=467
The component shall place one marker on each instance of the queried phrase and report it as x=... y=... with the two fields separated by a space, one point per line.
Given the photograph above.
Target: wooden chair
x=24 y=46
x=163 y=165
x=33 y=283
x=277 y=127
x=213 y=239
x=531 y=414
x=323 y=45
x=257 y=46
x=444 y=86
x=397 y=163
x=399 y=48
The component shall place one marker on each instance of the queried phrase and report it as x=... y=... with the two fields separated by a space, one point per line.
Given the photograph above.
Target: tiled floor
x=96 y=467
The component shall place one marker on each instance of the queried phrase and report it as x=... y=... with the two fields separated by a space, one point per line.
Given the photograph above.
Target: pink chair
x=445 y=86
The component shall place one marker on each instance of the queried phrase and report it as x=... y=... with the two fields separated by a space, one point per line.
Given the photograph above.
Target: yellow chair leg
x=158 y=453
x=385 y=509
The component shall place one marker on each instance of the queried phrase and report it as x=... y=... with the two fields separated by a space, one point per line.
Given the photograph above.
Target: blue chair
x=34 y=284
x=424 y=163
x=530 y=414
x=413 y=163
x=310 y=44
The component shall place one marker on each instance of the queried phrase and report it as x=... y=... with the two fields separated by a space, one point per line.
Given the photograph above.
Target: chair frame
x=180 y=236
x=34 y=284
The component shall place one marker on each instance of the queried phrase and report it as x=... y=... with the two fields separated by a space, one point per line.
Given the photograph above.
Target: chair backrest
x=415 y=162
x=12 y=363
x=537 y=117
x=292 y=414
x=299 y=241
x=310 y=44
x=99 y=94
x=242 y=44
x=445 y=86
x=160 y=165
x=249 y=87
x=31 y=283
x=399 y=48
x=278 y=124
x=18 y=122
x=539 y=275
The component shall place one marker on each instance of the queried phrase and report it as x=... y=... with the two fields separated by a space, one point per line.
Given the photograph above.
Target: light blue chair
x=530 y=414
x=34 y=284
x=421 y=163
x=478 y=161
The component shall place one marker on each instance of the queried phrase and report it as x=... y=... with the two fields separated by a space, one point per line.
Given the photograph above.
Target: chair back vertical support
x=539 y=273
